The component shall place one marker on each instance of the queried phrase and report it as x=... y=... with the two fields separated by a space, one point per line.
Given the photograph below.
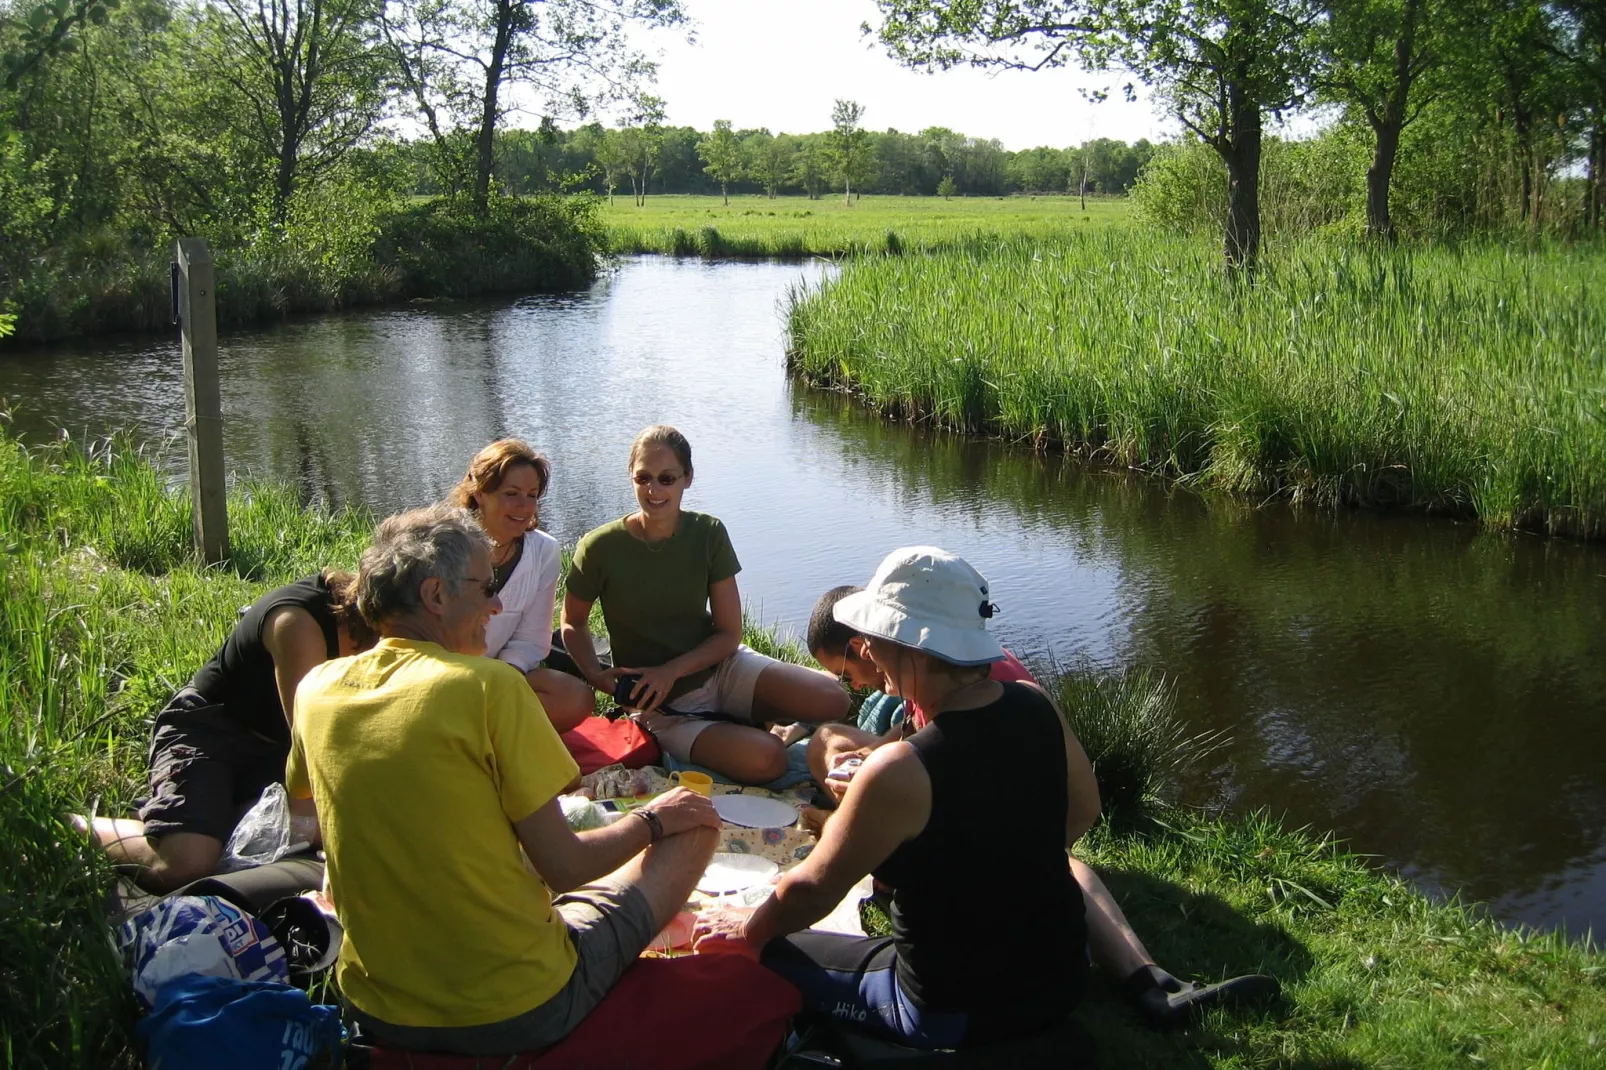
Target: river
x=1431 y=693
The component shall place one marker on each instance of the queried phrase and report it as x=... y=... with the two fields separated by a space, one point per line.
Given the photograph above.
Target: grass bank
x=103 y=612
x=756 y=227
x=371 y=255
x=1469 y=381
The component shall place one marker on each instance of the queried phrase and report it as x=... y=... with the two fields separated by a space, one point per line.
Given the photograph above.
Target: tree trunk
x=485 y=140
x=725 y=193
x=1592 y=174
x=1379 y=177
x=847 y=190
x=1241 y=153
x=1387 y=125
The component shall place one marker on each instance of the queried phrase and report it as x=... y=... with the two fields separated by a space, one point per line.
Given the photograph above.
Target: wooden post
x=203 y=407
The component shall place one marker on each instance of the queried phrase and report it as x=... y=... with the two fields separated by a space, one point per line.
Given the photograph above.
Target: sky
x=781 y=64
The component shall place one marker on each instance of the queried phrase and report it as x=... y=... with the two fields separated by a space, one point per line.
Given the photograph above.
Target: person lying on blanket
x=914 y=814
x=432 y=766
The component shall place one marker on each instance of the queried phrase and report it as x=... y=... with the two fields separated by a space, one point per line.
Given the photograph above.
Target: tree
x=808 y=165
x=1581 y=44
x=456 y=57
x=48 y=30
x=848 y=145
x=308 y=77
x=946 y=188
x=1376 y=53
x=1221 y=65
x=722 y=155
x=614 y=158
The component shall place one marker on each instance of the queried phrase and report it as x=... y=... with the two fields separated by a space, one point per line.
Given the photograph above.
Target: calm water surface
x=1431 y=693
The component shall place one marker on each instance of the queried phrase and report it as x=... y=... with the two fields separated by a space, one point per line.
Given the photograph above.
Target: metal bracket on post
x=203 y=408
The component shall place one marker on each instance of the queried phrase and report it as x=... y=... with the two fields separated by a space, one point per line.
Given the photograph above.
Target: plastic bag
x=200 y=1023
x=263 y=835
x=188 y=936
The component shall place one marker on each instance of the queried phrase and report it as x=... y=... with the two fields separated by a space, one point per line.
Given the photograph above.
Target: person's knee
x=567 y=701
x=574 y=703
x=826 y=701
x=816 y=751
x=770 y=763
x=181 y=860
x=763 y=759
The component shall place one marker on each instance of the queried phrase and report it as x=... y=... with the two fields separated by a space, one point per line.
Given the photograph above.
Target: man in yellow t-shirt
x=432 y=766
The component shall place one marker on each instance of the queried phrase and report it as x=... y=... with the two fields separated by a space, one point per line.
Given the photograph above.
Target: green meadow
x=104 y=612
x=1463 y=380
x=756 y=226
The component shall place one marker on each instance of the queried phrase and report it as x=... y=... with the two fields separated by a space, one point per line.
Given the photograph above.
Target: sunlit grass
x=755 y=226
x=1467 y=381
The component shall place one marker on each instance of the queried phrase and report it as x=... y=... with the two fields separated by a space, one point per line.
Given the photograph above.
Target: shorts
x=728 y=692
x=206 y=770
x=854 y=980
x=610 y=925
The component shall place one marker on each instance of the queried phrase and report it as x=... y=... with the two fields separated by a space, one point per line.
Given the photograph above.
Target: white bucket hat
x=928 y=599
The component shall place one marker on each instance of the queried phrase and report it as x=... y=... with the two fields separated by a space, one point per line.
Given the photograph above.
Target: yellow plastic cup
x=701 y=783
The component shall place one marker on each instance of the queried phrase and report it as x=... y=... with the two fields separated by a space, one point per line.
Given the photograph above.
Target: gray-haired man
x=432 y=766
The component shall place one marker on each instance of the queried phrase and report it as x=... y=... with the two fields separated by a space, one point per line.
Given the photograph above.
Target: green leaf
x=38 y=17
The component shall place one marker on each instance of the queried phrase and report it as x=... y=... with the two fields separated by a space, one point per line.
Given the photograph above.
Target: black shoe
x=1168 y=1001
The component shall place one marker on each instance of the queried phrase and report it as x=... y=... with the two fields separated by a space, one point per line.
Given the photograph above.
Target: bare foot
x=789 y=734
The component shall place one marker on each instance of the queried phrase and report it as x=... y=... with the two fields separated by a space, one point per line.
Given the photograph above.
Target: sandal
x=1168 y=1001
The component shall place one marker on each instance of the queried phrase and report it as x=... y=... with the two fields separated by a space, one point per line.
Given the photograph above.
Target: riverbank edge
x=1256 y=480
x=106 y=611
x=421 y=252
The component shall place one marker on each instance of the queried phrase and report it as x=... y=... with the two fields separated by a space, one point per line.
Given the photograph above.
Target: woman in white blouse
x=503 y=487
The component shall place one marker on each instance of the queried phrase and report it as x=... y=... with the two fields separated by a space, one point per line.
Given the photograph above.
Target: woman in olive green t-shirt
x=666 y=578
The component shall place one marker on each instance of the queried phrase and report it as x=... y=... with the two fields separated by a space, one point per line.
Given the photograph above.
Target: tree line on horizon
x=937 y=161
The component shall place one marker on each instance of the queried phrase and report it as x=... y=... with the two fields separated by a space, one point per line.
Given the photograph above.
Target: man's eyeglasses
x=664 y=479
x=842 y=677
x=489 y=586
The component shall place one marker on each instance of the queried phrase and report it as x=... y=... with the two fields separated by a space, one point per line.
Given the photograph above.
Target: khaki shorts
x=728 y=692
x=610 y=925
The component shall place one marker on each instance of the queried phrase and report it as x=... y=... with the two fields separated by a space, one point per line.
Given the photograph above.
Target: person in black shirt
x=224 y=737
x=921 y=814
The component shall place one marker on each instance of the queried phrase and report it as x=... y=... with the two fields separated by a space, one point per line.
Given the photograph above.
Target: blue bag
x=201 y=1023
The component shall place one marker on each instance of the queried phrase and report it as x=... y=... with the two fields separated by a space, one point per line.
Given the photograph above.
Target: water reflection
x=1431 y=693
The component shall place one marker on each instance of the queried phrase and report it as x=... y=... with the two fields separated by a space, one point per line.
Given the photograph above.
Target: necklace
x=502 y=571
x=653 y=546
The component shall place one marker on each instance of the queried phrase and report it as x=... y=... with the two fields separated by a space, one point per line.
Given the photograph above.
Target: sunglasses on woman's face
x=664 y=479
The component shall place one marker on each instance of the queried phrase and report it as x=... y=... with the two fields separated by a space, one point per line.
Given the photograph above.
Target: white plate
x=755 y=811
x=735 y=873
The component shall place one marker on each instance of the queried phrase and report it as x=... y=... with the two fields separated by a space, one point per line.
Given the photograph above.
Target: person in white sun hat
x=921 y=814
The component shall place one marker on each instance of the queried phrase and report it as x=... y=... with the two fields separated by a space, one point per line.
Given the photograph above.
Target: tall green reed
x=1466 y=380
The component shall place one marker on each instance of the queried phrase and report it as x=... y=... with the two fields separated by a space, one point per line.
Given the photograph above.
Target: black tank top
x=985 y=913
x=240 y=675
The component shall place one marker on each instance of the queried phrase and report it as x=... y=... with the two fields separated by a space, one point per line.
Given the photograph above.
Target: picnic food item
x=729 y=872
x=616 y=782
x=755 y=811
